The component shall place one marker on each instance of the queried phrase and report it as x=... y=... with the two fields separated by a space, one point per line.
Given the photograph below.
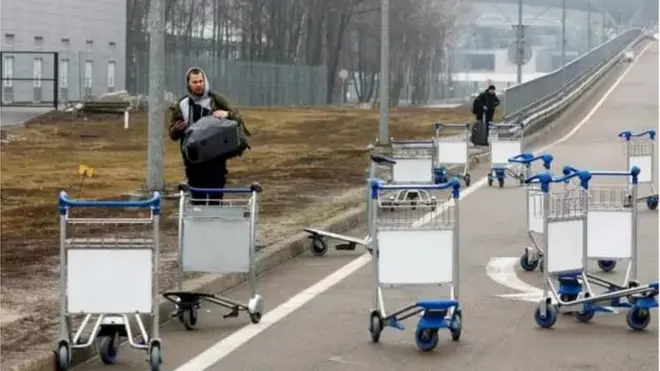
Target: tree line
x=337 y=34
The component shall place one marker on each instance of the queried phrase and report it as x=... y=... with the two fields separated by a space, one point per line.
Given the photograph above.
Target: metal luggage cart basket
x=642 y=153
x=416 y=247
x=452 y=150
x=319 y=245
x=109 y=275
x=566 y=250
x=413 y=161
x=219 y=237
x=505 y=142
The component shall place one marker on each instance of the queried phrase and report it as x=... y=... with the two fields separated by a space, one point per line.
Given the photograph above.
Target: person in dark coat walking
x=485 y=105
x=200 y=102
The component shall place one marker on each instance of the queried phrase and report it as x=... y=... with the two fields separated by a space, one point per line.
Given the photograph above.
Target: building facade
x=89 y=38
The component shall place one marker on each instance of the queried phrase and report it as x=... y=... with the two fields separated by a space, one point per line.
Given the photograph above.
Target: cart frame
x=643 y=154
x=233 y=220
x=502 y=150
x=85 y=287
x=452 y=151
x=574 y=294
x=388 y=265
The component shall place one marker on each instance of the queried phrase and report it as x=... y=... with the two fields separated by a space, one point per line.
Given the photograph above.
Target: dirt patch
x=293 y=150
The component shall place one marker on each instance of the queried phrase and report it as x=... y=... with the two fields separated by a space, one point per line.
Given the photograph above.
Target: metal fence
x=520 y=98
x=248 y=83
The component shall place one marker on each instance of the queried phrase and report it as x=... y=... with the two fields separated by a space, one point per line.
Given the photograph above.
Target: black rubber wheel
x=319 y=246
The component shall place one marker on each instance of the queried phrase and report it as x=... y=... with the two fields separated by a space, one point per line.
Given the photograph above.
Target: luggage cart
x=642 y=153
x=319 y=246
x=452 y=151
x=413 y=248
x=217 y=237
x=108 y=279
x=505 y=143
x=413 y=164
x=565 y=218
x=532 y=256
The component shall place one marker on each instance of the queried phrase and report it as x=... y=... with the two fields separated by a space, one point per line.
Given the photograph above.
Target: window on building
x=9 y=40
x=65 y=43
x=38 y=42
x=89 y=45
x=64 y=73
x=112 y=46
x=37 y=72
x=112 y=67
x=87 y=80
x=482 y=62
x=8 y=71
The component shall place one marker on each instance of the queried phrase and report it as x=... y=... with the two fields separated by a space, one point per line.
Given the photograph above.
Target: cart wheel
x=550 y=317
x=541 y=269
x=526 y=264
x=638 y=318
x=255 y=317
x=375 y=326
x=319 y=246
x=426 y=339
x=585 y=316
x=467 y=179
x=188 y=317
x=607 y=265
x=652 y=202
x=500 y=181
x=63 y=356
x=155 y=358
x=521 y=179
x=490 y=180
x=456 y=325
x=109 y=348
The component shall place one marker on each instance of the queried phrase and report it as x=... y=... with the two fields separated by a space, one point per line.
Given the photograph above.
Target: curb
x=266 y=259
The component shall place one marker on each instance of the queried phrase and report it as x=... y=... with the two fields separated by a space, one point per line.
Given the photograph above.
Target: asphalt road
x=10 y=116
x=319 y=307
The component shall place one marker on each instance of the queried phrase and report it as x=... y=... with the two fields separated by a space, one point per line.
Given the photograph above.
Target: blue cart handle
x=629 y=134
x=66 y=203
x=527 y=158
x=545 y=178
x=453 y=183
x=255 y=187
x=633 y=172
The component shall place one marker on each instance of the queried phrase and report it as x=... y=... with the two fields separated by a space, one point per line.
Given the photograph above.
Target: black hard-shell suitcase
x=210 y=138
x=479 y=134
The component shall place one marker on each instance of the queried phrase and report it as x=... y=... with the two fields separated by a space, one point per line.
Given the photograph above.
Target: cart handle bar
x=66 y=203
x=527 y=158
x=377 y=185
x=380 y=159
x=254 y=187
x=633 y=173
x=439 y=125
x=545 y=178
x=506 y=126
x=629 y=134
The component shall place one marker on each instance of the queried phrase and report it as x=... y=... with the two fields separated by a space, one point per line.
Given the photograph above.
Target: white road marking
x=224 y=347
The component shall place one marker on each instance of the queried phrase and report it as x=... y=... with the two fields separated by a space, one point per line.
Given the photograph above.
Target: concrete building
x=89 y=37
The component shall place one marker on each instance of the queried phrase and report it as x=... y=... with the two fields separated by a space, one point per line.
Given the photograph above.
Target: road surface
x=319 y=307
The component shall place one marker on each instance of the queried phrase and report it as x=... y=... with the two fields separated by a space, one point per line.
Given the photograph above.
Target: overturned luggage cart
x=452 y=151
x=217 y=236
x=642 y=152
x=565 y=217
x=112 y=277
x=319 y=246
x=505 y=142
x=416 y=247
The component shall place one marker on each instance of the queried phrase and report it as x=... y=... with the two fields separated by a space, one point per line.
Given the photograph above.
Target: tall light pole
x=384 y=94
x=519 y=43
x=156 y=145
x=563 y=43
